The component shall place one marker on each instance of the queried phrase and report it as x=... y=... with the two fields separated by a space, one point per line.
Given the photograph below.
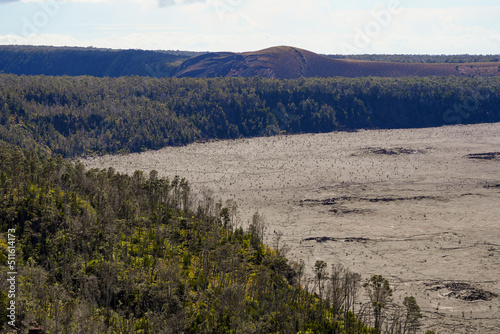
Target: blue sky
x=323 y=26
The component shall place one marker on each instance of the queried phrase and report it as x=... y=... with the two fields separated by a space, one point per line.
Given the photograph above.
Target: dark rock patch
x=348 y=239
x=463 y=291
x=492 y=186
x=392 y=151
x=485 y=156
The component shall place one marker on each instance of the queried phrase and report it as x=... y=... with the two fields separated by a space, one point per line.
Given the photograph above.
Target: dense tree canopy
x=76 y=116
x=103 y=252
x=48 y=60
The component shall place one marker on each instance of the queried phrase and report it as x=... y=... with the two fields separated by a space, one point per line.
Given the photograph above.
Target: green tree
x=321 y=275
x=380 y=293
x=413 y=315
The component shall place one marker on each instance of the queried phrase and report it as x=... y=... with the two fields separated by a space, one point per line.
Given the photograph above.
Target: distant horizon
x=205 y=51
x=323 y=26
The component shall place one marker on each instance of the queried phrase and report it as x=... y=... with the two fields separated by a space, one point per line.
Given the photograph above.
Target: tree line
x=47 y=60
x=77 y=116
x=424 y=59
x=99 y=62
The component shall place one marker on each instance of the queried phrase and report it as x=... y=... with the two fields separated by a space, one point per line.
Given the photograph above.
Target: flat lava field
x=420 y=207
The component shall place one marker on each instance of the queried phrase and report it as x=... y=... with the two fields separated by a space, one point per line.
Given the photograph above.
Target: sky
x=322 y=26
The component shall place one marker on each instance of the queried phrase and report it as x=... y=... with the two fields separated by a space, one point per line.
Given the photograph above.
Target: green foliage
x=103 y=252
x=380 y=294
x=4 y=304
x=46 y=60
x=36 y=60
x=413 y=315
x=321 y=275
x=75 y=116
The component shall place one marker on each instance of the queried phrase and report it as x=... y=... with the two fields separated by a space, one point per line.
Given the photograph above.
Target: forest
x=425 y=59
x=97 y=251
x=102 y=252
x=79 y=116
x=49 y=60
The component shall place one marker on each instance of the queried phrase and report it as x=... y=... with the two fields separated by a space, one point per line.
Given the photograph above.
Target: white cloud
x=44 y=39
x=69 y=1
x=243 y=25
x=444 y=30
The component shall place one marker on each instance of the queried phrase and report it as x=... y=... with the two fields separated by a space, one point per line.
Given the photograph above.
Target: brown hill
x=286 y=62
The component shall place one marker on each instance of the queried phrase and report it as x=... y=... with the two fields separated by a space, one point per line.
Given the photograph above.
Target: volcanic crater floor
x=420 y=207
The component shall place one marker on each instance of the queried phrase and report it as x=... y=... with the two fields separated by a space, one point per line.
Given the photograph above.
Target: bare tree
x=257 y=228
x=337 y=288
x=232 y=205
x=342 y=292
x=281 y=247
x=394 y=323
x=352 y=284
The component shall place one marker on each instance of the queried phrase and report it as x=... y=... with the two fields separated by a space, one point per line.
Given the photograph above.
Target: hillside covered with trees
x=74 y=61
x=47 y=60
x=423 y=59
x=76 y=116
x=101 y=252
x=97 y=251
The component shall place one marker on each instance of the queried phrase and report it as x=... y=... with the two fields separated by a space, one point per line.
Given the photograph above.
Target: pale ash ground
x=430 y=214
